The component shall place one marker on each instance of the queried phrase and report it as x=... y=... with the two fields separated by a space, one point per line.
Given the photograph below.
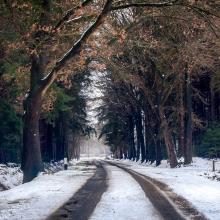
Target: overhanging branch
x=145 y=4
x=201 y=10
x=48 y=80
x=165 y=4
x=70 y=12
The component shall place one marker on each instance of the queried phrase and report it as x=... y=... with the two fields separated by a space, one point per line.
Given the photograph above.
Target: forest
x=157 y=66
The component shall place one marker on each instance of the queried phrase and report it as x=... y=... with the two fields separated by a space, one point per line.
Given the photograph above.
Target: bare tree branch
x=80 y=19
x=201 y=10
x=195 y=8
x=208 y=21
x=70 y=12
x=146 y=4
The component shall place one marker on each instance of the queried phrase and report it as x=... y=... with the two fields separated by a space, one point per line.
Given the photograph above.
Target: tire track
x=84 y=201
x=170 y=205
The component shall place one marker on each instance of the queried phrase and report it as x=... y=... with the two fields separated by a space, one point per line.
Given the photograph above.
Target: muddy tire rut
x=170 y=205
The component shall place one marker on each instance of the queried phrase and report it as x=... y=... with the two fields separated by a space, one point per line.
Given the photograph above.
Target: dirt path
x=170 y=205
x=82 y=204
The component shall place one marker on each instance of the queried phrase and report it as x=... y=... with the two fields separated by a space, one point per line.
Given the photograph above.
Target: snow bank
x=10 y=176
x=191 y=182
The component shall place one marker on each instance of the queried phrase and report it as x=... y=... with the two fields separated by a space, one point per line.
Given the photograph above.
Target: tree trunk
x=49 y=142
x=60 y=139
x=189 y=126
x=31 y=153
x=138 y=151
x=146 y=133
x=132 y=151
x=158 y=153
x=217 y=106
x=168 y=139
x=181 y=145
x=140 y=136
x=212 y=102
x=31 y=163
x=152 y=147
x=150 y=141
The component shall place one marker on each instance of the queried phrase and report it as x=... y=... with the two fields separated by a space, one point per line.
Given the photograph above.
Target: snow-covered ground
x=10 y=176
x=191 y=182
x=39 y=198
x=124 y=199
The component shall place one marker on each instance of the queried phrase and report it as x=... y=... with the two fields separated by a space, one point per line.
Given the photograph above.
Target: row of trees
x=63 y=120
x=161 y=87
x=39 y=39
x=34 y=34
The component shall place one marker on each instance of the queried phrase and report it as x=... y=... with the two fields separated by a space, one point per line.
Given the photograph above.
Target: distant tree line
x=161 y=86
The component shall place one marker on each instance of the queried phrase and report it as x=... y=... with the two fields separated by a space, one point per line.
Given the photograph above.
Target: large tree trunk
x=31 y=153
x=158 y=152
x=168 y=139
x=189 y=126
x=152 y=152
x=150 y=139
x=31 y=163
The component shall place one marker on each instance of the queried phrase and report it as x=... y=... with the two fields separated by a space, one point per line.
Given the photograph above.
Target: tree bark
x=189 y=126
x=212 y=103
x=140 y=138
x=60 y=138
x=132 y=151
x=49 y=142
x=31 y=163
x=158 y=152
x=31 y=152
x=146 y=133
x=181 y=146
x=138 y=151
x=168 y=139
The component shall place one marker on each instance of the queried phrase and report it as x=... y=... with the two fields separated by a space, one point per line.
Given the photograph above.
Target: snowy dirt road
x=115 y=192
x=111 y=193
x=124 y=199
